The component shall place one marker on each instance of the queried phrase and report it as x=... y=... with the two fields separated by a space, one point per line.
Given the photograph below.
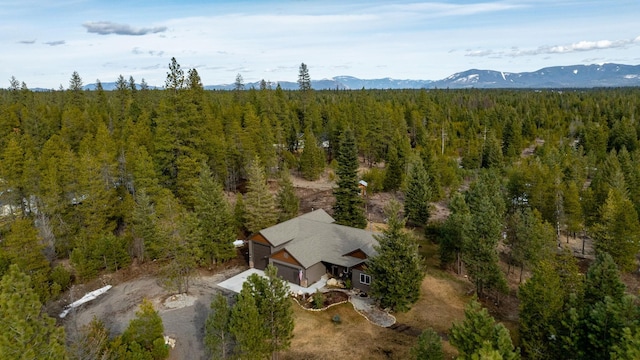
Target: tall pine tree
x=215 y=219
x=397 y=268
x=217 y=334
x=271 y=295
x=418 y=195
x=26 y=331
x=480 y=253
x=247 y=326
x=312 y=159
x=348 y=208
x=259 y=202
x=288 y=201
x=618 y=231
x=479 y=330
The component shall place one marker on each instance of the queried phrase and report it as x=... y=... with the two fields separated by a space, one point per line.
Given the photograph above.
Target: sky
x=45 y=41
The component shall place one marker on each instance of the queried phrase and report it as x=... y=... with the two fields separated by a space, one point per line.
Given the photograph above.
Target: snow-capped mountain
x=339 y=82
x=574 y=76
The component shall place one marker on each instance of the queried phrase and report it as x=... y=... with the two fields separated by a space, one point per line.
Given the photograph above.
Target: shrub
x=318 y=300
x=375 y=179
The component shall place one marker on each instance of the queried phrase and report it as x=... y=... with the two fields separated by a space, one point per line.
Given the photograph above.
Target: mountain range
x=574 y=76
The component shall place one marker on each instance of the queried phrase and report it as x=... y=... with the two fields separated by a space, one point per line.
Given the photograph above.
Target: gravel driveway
x=183 y=316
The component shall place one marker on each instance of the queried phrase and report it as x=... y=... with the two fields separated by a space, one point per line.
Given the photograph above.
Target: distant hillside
x=574 y=76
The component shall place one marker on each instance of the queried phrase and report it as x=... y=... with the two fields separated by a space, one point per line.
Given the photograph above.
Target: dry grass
x=317 y=337
x=442 y=301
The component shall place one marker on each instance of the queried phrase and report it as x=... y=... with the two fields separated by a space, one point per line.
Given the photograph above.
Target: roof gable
x=314 y=237
x=290 y=229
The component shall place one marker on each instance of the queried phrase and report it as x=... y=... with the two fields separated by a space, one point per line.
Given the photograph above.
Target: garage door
x=261 y=255
x=288 y=273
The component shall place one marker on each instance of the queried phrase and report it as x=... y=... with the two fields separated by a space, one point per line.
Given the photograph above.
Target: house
x=305 y=248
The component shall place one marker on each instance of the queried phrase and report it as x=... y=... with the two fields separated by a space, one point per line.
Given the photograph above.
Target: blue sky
x=44 y=41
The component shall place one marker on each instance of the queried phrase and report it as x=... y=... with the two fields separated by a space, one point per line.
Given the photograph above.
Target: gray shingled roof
x=314 y=237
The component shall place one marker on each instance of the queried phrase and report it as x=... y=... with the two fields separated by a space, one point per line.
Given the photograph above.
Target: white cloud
x=108 y=27
x=439 y=9
x=580 y=46
x=55 y=43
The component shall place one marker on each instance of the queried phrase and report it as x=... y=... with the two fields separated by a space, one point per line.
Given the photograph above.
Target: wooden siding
x=259 y=238
x=357 y=254
x=285 y=257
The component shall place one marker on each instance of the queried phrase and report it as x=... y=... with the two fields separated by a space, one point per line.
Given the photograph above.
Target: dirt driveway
x=183 y=316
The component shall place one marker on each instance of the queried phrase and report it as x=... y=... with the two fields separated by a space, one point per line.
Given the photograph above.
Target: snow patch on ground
x=473 y=78
x=85 y=299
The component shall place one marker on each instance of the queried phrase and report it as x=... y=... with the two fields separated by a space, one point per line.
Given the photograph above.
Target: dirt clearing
x=183 y=316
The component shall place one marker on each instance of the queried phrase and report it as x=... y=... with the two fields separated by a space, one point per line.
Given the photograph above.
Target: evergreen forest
x=92 y=181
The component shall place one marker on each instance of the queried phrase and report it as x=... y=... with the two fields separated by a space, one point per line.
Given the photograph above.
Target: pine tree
x=90 y=342
x=541 y=312
x=604 y=325
x=394 y=171
x=217 y=333
x=478 y=330
x=179 y=235
x=288 y=201
x=572 y=209
x=603 y=280
x=429 y=346
x=418 y=195
x=146 y=238
x=11 y=172
x=239 y=84
x=455 y=232
x=215 y=219
x=145 y=333
x=259 y=203
x=312 y=158
x=618 y=231
x=491 y=153
x=629 y=346
x=75 y=83
x=23 y=247
x=348 y=208
x=193 y=81
x=240 y=213
x=175 y=77
x=529 y=238
x=271 y=295
x=247 y=326
x=26 y=331
x=396 y=269
x=304 y=80
x=480 y=254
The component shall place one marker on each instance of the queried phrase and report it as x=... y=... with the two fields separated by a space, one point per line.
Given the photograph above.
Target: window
x=365 y=279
